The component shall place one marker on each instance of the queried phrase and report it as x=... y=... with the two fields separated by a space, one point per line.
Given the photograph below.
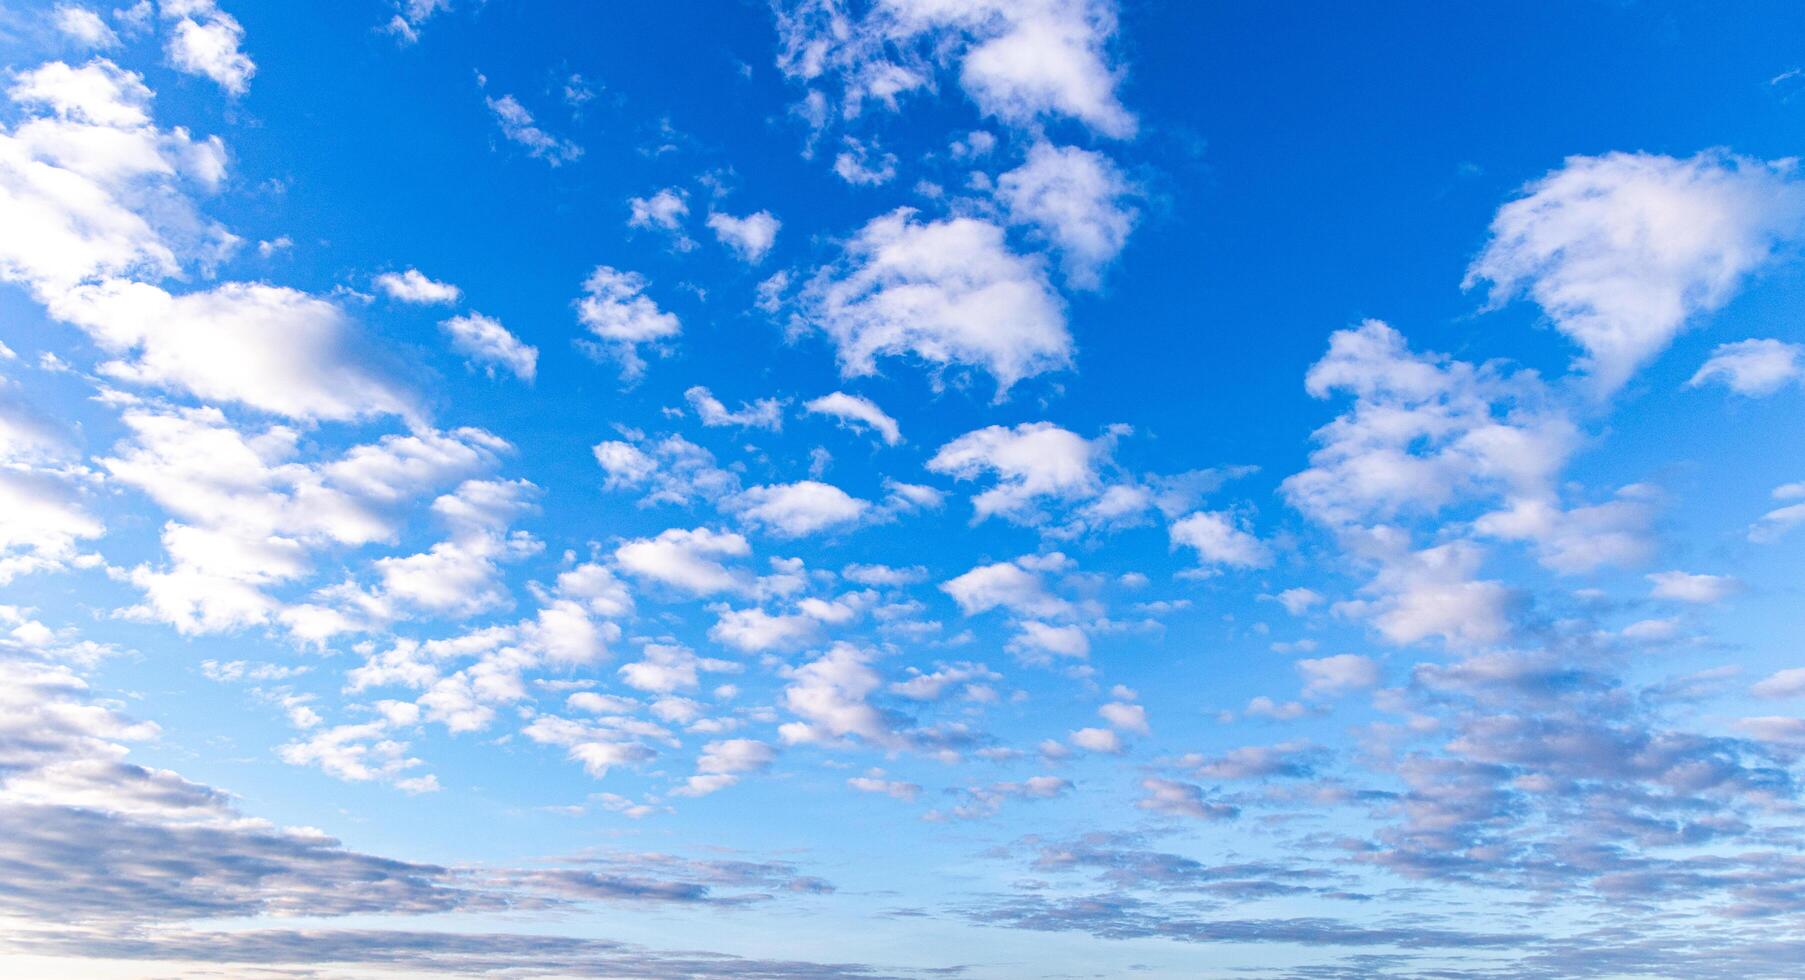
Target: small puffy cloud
x=1007 y=585
x=664 y=211
x=616 y=310
x=722 y=763
x=267 y=347
x=1623 y=250
x=1125 y=716
x=1755 y=368
x=1076 y=198
x=947 y=292
x=1032 y=462
x=1103 y=740
x=413 y=286
x=1775 y=523
x=857 y=413
x=1331 y=676
x=765 y=413
x=801 y=508
x=830 y=695
x=486 y=342
x=1686 y=587
x=754 y=630
x=518 y=126
x=686 y=560
x=751 y=237
x=864 y=165
x=205 y=41
x=874 y=782
x=1037 y=642
x=1219 y=542
x=84 y=27
x=1299 y=600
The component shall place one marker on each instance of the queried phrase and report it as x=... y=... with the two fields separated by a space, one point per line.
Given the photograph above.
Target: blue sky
x=901 y=488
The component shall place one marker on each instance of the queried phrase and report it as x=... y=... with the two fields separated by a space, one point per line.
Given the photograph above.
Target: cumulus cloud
x=414 y=286
x=1756 y=368
x=765 y=413
x=857 y=413
x=205 y=40
x=487 y=343
x=1076 y=199
x=1219 y=541
x=1032 y=462
x=1622 y=251
x=687 y=560
x=616 y=310
x=1019 y=62
x=799 y=509
x=750 y=237
x=948 y=292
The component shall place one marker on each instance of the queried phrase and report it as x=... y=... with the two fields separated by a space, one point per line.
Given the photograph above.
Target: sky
x=901 y=489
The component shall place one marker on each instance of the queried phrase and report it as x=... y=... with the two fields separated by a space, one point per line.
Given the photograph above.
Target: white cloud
x=517 y=125
x=84 y=26
x=1775 y=523
x=664 y=211
x=1018 y=60
x=1125 y=716
x=90 y=188
x=485 y=341
x=1037 y=642
x=1331 y=676
x=1076 y=198
x=750 y=237
x=1103 y=740
x=617 y=311
x=1788 y=683
x=948 y=292
x=413 y=286
x=1755 y=368
x=722 y=763
x=687 y=560
x=267 y=347
x=765 y=413
x=1006 y=585
x=830 y=695
x=1686 y=587
x=1623 y=250
x=1032 y=461
x=799 y=509
x=755 y=631
x=1218 y=541
x=205 y=40
x=864 y=165
x=856 y=412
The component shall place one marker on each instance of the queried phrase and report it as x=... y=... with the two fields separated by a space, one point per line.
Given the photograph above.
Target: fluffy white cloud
x=1218 y=541
x=687 y=560
x=485 y=341
x=1687 y=587
x=1013 y=585
x=948 y=292
x=757 y=631
x=1018 y=60
x=205 y=41
x=1037 y=642
x=84 y=26
x=1103 y=740
x=830 y=695
x=1753 y=367
x=1077 y=199
x=801 y=508
x=722 y=764
x=617 y=311
x=413 y=286
x=1032 y=462
x=1775 y=523
x=750 y=237
x=1331 y=676
x=1788 y=683
x=664 y=211
x=765 y=413
x=856 y=412
x=1623 y=250
x=90 y=188
x=267 y=347
x=864 y=164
